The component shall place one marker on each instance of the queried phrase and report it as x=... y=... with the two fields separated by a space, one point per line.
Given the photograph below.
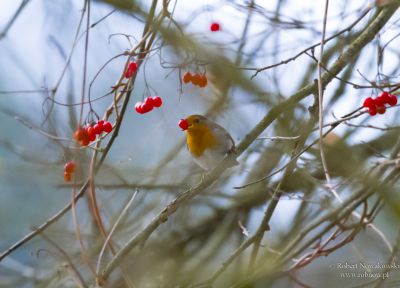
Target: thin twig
x=347 y=29
x=78 y=276
x=321 y=89
x=273 y=138
x=119 y=219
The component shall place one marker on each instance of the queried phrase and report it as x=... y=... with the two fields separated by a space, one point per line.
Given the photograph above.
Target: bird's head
x=194 y=123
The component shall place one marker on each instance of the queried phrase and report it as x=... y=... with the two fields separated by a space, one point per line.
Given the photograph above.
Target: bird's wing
x=230 y=143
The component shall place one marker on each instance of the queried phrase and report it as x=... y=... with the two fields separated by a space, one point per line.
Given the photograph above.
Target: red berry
x=149 y=101
x=392 y=100
x=98 y=128
x=385 y=97
x=67 y=177
x=157 y=101
x=372 y=111
x=379 y=101
x=215 y=27
x=384 y=94
x=130 y=70
x=146 y=107
x=187 y=77
x=91 y=133
x=107 y=127
x=369 y=102
x=69 y=167
x=138 y=107
x=381 y=109
x=101 y=122
x=183 y=123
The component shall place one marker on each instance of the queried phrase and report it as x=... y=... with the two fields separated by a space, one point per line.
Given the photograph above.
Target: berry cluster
x=183 y=123
x=196 y=79
x=377 y=105
x=69 y=169
x=130 y=70
x=214 y=27
x=148 y=104
x=88 y=133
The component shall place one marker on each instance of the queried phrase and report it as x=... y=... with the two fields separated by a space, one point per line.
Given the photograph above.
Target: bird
x=207 y=142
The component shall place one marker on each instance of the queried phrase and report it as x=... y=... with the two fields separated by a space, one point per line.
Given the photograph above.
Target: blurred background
x=44 y=46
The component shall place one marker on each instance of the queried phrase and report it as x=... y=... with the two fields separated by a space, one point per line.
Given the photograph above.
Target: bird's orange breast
x=200 y=139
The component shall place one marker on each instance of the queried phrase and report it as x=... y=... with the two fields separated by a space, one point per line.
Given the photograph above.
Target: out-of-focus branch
x=347 y=29
x=103 y=156
x=368 y=34
x=13 y=18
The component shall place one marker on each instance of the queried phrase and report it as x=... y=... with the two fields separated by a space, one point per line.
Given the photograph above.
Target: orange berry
x=81 y=135
x=67 y=177
x=187 y=77
x=69 y=167
x=203 y=81
x=85 y=141
x=196 y=79
x=78 y=134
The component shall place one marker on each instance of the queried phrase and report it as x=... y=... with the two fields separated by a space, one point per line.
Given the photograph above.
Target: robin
x=207 y=142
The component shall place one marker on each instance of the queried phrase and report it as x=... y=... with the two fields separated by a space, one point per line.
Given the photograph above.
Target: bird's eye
x=196 y=121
